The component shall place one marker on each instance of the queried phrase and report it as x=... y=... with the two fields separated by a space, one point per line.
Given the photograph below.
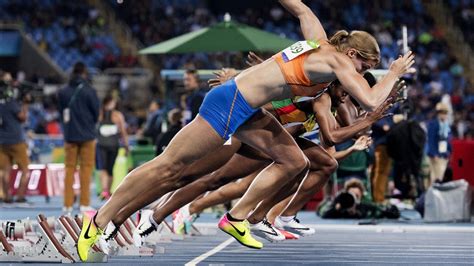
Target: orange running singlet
x=295 y=77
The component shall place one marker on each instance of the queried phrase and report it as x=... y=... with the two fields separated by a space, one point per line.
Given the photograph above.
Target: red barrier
x=315 y=201
x=38 y=180
x=462 y=160
x=45 y=180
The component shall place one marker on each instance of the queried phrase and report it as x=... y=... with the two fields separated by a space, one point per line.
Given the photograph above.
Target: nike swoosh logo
x=238 y=231
x=270 y=233
x=299 y=228
x=86 y=234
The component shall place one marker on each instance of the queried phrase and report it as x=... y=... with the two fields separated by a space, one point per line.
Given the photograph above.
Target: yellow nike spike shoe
x=90 y=234
x=240 y=231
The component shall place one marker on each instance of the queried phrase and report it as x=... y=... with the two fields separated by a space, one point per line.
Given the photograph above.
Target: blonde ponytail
x=339 y=38
x=362 y=41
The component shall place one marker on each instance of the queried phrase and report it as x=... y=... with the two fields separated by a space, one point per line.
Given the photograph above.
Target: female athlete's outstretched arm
x=355 y=85
x=309 y=23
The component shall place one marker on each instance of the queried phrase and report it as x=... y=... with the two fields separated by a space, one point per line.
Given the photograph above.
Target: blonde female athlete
x=304 y=68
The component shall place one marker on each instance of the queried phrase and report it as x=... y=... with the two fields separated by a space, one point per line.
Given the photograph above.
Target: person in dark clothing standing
x=111 y=129
x=174 y=119
x=405 y=144
x=382 y=162
x=79 y=109
x=193 y=97
x=13 y=148
x=154 y=120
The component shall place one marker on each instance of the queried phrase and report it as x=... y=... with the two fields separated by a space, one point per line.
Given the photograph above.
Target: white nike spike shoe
x=294 y=227
x=266 y=231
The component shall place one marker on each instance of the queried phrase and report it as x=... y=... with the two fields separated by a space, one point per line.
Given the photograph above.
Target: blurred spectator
x=439 y=148
x=174 y=126
x=112 y=128
x=79 y=106
x=154 y=121
x=405 y=145
x=382 y=163
x=193 y=97
x=123 y=87
x=13 y=147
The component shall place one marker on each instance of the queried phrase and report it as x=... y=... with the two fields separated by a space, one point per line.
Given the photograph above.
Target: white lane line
x=211 y=252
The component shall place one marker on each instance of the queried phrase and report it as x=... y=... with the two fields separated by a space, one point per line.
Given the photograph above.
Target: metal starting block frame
x=71 y=232
x=43 y=244
x=42 y=247
x=7 y=253
x=123 y=245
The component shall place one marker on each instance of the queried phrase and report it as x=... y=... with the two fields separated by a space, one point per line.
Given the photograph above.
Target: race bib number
x=443 y=146
x=298 y=49
x=108 y=130
x=66 y=115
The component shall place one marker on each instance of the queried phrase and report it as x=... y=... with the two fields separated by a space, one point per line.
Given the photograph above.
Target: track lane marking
x=211 y=252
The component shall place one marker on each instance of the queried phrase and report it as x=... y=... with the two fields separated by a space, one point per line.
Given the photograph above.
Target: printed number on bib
x=298 y=49
x=108 y=130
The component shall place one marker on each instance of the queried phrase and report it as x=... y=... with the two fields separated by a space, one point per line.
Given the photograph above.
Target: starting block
x=123 y=244
x=30 y=242
x=167 y=230
x=7 y=254
x=31 y=246
x=156 y=237
x=50 y=240
x=71 y=234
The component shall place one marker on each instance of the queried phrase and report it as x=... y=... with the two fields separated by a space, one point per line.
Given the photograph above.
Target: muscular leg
x=265 y=205
x=322 y=165
x=266 y=134
x=213 y=161
x=206 y=165
x=277 y=209
x=163 y=173
x=236 y=168
x=224 y=194
x=315 y=181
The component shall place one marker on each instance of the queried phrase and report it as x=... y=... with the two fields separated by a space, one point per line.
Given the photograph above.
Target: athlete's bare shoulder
x=334 y=58
x=320 y=63
x=323 y=99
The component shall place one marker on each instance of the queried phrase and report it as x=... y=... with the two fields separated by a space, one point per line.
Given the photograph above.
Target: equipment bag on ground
x=448 y=202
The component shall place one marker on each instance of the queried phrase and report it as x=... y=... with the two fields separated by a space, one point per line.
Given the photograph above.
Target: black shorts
x=106 y=158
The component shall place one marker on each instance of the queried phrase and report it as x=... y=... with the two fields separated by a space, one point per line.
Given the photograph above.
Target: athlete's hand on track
x=253 y=59
x=403 y=64
x=222 y=76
